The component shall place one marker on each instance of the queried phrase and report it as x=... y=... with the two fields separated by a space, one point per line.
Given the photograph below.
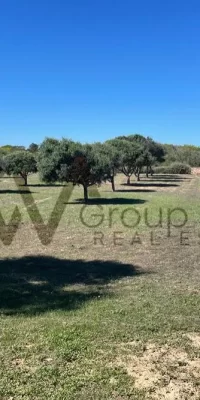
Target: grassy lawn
x=108 y=306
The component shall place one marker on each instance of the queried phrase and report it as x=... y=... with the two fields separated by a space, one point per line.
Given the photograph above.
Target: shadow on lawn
x=135 y=190
x=37 y=284
x=10 y=191
x=107 y=201
x=150 y=184
x=167 y=178
x=45 y=185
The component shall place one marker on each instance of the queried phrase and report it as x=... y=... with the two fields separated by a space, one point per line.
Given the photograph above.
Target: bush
x=180 y=168
x=174 y=168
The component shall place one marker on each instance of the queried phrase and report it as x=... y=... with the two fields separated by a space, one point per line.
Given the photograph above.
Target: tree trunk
x=25 y=178
x=113 y=183
x=147 y=172
x=128 y=180
x=85 y=193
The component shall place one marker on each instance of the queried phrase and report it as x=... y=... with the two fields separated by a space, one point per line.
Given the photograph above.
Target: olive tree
x=151 y=152
x=156 y=154
x=145 y=159
x=87 y=167
x=127 y=153
x=20 y=163
x=68 y=161
x=111 y=159
x=51 y=155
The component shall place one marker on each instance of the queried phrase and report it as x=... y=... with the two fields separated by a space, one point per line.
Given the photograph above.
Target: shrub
x=179 y=168
x=174 y=168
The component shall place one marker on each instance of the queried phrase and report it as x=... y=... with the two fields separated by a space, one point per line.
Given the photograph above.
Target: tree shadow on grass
x=108 y=201
x=150 y=184
x=9 y=191
x=135 y=190
x=167 y=178
x=35 y=284
x=163 y=180
x=173 y=176
x=45 y=185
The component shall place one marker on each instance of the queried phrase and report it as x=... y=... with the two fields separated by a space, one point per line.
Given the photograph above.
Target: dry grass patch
x=164 y=372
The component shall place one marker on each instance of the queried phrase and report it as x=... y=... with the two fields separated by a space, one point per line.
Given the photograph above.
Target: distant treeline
x=187 y=154
x=7 y=149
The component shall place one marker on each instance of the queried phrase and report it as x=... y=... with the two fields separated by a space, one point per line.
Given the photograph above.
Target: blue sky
x=91 y=70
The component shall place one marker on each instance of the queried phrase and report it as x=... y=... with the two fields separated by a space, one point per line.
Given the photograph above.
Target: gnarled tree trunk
x=85 y=193
x=113 y=183
x=25 y=178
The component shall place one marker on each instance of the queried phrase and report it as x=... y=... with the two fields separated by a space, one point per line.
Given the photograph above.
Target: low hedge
x=174 y=168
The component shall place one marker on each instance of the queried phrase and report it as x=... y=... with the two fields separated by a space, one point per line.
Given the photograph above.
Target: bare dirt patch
x=164 y=372
x=196 y=171
x=195 y=339
x=18 y=363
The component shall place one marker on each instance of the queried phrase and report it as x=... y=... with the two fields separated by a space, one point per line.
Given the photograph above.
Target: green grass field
x=108 y=306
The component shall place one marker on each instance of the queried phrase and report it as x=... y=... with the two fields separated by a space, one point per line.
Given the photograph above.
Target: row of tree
x=86 y=164
x=187 y=154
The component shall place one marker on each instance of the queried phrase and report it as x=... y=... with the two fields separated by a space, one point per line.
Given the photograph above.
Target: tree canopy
x=90 y=164
x=20 y=163
x=68 y=161
x=33 y=148
x=150 y=152
x=110 y=155
x=128 y=154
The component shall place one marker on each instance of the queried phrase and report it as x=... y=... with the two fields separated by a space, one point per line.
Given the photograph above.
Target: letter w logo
x=7 y=232
x=44 y=231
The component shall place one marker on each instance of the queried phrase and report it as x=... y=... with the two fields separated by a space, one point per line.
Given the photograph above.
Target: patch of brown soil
x=195 y=339
x=196 y=171
x=166 y=373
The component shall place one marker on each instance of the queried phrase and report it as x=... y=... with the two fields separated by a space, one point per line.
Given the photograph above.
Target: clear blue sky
x=91 y=70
